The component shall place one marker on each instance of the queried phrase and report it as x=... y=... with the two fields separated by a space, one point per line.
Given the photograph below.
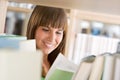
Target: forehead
x=52 y=22
x=50 y=27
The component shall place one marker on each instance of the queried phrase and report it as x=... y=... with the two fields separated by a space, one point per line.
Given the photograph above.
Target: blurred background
x=19 y=13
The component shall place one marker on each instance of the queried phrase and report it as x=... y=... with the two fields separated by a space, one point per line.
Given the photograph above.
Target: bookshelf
x=19 y=11
x=76 y=15
x=87 y=10
x=90 y=10
x=17 y=18
x=3 y=10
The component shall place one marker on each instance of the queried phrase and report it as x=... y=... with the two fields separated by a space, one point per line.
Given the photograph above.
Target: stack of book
x=19 y=59
x=101 y=67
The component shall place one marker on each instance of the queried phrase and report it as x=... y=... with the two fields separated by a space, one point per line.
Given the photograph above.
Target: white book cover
x=114 y=45
x=118 y=47
x=89 y=43
x=16 y=65
x=95 y=45
x=109 y=45
x=28 y=45
x=85 y=68
x=77 y=48
x=103 y=45
x=108 y=71
x=117 y=67
x=83 y=49
x=97 y=68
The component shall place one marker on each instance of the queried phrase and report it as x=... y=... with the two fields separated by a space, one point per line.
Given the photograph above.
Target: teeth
x=48 y=45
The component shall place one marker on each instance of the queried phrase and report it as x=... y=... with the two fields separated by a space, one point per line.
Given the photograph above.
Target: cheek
x=39 y=35
x=38 y=38
x=59 y=39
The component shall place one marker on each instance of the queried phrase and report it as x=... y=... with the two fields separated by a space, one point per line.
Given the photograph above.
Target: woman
x=48 y=25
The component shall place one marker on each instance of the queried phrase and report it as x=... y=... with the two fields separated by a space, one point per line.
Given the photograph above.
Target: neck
x=45 y=57
x=45 y=64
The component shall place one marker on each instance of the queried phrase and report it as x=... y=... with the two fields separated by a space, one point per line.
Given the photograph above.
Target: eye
x=45 y=29
x=59 y=32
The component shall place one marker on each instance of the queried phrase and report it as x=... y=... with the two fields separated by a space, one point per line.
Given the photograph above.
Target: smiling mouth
x=48 y=45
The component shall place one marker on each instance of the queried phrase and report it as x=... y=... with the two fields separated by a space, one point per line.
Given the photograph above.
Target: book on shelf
x=20 y=65
x=79 y=47
x=108 y=71
x=17 y=42
x=12 y=36
x=118 y=47
x=97 y=68
x=85 y=68
x=86 y=45
x=10 y=41
x=117 y=67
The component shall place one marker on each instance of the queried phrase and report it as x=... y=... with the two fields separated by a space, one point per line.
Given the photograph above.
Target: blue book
x=10 y=41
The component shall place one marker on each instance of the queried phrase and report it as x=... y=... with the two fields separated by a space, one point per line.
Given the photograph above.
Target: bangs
x=53 y=18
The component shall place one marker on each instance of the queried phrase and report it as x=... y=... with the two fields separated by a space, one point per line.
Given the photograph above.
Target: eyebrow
x=60 y=29
x=49 y=27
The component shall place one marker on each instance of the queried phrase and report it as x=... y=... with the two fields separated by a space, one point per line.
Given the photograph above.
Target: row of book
x=85 y=45
x=101 y=67
x=15 y=23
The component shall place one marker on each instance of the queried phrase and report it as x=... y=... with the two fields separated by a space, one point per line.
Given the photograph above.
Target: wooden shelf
x=18 y=9
x=3 y=11
x=101 y=6
x=90 y=10
x=102 y=17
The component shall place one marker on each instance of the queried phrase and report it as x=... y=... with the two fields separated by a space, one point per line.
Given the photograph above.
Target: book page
x=62 y=63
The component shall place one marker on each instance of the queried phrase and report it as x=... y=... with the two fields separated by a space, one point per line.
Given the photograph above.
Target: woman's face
x=48 y=38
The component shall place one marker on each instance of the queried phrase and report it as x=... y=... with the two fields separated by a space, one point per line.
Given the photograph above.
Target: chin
x=47 y=51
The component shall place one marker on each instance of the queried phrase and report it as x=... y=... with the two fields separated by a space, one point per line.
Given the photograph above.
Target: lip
x=48 y=45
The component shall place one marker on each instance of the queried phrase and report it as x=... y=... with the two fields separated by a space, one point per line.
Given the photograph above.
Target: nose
x=52 y=36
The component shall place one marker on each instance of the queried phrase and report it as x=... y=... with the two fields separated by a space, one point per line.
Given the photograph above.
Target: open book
x=62 y=69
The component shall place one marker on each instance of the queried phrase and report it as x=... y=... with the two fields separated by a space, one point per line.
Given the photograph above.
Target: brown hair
x=45 y=16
